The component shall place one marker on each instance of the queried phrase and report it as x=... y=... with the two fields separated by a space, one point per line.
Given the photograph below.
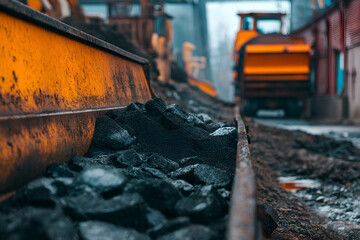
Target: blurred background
x=307 y=69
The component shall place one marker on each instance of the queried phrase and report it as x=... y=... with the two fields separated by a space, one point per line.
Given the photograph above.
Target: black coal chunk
x=171 y=121
x=36 y=223
x=204 y=117
x=39 y=192
x=138 y=107
x=224 y=193
x=185 y=173
x=203 y=174
x=107 y=182
x=210 y=175
x=192 y=232
x=156 y=173
x=155 y=106
x=155 y=218
x=108 y=134
x=125 y=210
x=137 y=173
x=80 y=163
x=203 y=206
x=127 y=158
x=159 y=162
x=178 y=111
x=169 y=226
x=159 y=194
x=56 y=170
x=190 y=161
x=185 y=187
x=95 y=230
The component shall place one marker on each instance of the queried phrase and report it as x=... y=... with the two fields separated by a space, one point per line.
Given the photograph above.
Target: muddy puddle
x=339 y=205
x=296 y=183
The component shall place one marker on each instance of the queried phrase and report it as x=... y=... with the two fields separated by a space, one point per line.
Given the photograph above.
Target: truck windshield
x=268 y=26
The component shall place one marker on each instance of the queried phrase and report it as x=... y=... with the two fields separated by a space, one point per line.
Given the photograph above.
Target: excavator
x=271 y=69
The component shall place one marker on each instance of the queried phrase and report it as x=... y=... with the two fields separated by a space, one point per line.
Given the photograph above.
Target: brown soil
x=277 y=152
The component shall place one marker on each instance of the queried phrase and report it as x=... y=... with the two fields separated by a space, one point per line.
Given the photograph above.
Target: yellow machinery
x=271 y=70
x=54 y=81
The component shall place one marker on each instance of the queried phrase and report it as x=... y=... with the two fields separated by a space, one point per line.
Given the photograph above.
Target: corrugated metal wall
x=353 y=23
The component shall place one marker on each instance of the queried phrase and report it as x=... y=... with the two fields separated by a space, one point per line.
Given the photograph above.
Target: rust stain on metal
x=55 y=81
x=242 y=219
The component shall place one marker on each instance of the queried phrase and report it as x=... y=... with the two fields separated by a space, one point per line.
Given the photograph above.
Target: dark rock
x=99 y=153
x=39 y=192
x=133 y=107
x=80 y=163
x=192 y=232
x=155 y=106
x=268 y=217
x=56 y=170
x=225 y=131
x=171 y=121
x=193 y=119
x=36 y=223
x=203 y=206
x=224 y=193
x=204 y=117
x=178 y=111
x=128 y=158
x=185 y=173
x=185 y=187
x=137 y=173
x=95 y=230
x=169 y=226
x=127 y=210
x=108 y=134
x=65 y=186
x=141 y=106
x=203 y=174
x=190 y=161
x=161 y=163
x=209 y=175
x=155 y=218
x=215 y=126
x=108 y=182
x=158 y=194
x=156 y=173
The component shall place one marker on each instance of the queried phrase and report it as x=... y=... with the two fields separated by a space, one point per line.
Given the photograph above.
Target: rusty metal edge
x=242 y=224
x=28 y=14
x=61 y=113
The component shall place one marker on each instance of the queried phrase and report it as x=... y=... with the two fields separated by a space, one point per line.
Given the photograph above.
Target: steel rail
x=242 y=223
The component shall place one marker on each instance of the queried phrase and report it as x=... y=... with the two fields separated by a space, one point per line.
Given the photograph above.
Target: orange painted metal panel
x=203 y=86
x=54 y=82
x=277 y=63
x=296 y=77
x=283 y=48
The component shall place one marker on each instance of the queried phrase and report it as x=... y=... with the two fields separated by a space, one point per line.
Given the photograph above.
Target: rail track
x=56 y=80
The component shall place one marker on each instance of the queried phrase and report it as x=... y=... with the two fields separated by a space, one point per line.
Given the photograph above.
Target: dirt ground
x=276 y=152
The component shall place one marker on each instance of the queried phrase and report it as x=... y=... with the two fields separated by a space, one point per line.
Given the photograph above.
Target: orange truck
x=271 y=70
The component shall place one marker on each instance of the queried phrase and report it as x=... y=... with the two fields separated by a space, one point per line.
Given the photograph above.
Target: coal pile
x=152 y=172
